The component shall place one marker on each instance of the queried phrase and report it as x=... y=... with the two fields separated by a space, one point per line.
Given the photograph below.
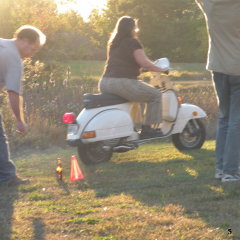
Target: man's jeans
x=228 y=132
x=7 y=167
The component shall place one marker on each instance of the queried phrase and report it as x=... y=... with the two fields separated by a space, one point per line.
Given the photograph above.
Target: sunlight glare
x=83 y=7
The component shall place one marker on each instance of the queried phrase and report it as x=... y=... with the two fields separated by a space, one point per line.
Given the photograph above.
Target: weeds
x=51 y=89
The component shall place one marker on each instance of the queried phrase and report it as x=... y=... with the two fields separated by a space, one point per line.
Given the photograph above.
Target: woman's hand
x=145 y=63
x=166 y=72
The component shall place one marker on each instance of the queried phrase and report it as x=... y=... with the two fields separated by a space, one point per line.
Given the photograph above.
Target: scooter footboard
x=186 y=113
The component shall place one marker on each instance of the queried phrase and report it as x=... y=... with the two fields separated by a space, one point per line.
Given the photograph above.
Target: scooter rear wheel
x=94 y=153
x=192 y=136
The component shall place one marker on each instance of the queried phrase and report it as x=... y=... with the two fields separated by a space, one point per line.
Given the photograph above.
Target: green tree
x=173 y=28
x=66 y=37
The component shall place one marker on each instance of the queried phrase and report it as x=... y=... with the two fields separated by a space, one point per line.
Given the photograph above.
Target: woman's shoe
x=148 y=133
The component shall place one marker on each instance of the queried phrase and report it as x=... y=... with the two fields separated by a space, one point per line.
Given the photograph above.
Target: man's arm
x=16 y=103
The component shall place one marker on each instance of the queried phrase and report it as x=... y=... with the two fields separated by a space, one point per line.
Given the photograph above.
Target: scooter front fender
x=186 y=113
x=109 y=124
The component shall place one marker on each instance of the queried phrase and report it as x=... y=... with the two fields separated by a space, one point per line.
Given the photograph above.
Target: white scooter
x=106 y=124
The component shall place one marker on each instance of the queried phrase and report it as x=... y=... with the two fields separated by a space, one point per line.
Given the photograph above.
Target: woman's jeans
x=136 y=91
x=227 y=88
x=7 y=167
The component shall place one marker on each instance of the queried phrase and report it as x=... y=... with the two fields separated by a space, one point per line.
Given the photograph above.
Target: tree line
x=172 y=28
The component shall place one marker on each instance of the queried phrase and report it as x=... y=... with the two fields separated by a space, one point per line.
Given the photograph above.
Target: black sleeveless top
x=121 y=62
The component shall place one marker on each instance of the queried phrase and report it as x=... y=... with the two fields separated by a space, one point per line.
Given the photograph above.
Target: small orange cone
x=76 y=173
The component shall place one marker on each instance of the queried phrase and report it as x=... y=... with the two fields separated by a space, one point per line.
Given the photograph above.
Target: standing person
x=26 y=42
x=223 y=23
x=125 y=57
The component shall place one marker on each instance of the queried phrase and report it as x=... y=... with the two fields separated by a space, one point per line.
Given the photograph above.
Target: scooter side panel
x=86 y=115
x=110 y=124
x=170 y=105
x=186 y=113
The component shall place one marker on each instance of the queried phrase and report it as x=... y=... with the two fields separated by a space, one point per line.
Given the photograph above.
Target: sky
x=84 y=7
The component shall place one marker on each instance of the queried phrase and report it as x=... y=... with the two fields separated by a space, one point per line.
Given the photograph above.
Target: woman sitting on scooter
x=125 y=58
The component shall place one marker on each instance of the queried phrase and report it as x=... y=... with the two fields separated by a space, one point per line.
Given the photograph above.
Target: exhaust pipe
x=124 y=148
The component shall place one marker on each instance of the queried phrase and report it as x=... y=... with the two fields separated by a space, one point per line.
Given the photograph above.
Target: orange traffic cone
x=76 y=173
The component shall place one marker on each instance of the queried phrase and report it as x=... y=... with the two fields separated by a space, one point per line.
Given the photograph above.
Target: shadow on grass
x=64 y=186
x=188 y=182
x=8 y=195
x=39 y=229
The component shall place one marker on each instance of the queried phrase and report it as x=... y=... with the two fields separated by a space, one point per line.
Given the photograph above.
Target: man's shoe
x=17 y=181
x=230 y=178
x=218 y=174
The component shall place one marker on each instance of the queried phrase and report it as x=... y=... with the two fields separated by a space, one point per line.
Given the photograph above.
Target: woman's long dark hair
x=123 y=29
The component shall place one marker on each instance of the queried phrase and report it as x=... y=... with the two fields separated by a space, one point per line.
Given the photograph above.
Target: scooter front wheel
x=94 y=153
x=192 y=136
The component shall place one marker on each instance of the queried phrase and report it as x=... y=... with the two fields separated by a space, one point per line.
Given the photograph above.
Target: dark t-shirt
x=121 y=62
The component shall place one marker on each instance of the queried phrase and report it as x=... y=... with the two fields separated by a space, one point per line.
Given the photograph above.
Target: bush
x=203 y=97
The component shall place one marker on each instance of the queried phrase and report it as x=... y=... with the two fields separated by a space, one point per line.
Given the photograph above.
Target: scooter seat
x=101 y=100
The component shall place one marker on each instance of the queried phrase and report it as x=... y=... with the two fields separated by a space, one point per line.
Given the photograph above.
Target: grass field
x=182 y=71
x=80 y=67
x=89 y=69
x=152 y=193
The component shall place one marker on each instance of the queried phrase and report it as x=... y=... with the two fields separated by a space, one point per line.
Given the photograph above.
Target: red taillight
x=68 y=118
x=180 y=100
